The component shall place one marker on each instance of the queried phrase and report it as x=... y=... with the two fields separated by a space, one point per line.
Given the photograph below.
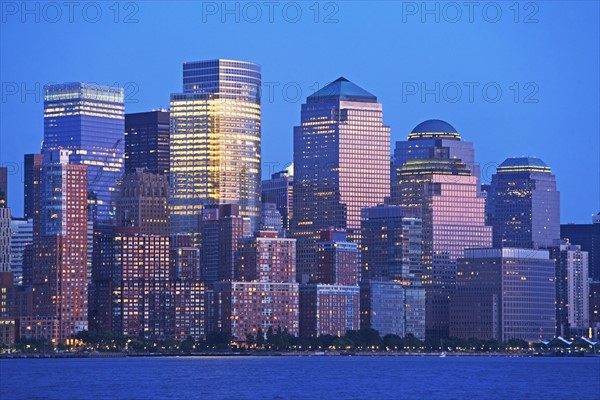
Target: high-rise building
x=31 y=178
x=264 y=294
x=147 y=142
x=3 y=187
x=132 y=285
x=442 y=192
x=221 y=227
x=341 y=165
x=88 y=119
x=266 y=258
x=59 y=266
x=390 y=245
x=588 y=237
x=572 y=288
x=337 y=259
x=5 y=239
x=215 y=141
x=143 y=202
x=21 y=232
x=504 y=293
x=270 y=219
x=279 y=190
x=525 y=205
x=328 y=309
x=594 y=304
x=435 y=138
x=394 y=308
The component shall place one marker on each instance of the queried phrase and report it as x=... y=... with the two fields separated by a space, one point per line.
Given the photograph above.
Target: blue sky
x=515 y=78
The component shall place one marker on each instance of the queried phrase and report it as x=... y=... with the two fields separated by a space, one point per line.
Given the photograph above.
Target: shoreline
x=288 y=354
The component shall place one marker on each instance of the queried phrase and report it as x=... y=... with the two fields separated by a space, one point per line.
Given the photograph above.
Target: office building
x=393 y=308
x=337 y=259
x=221 y=227
x=390 y=245
x=21 y=232
x=341 y=165
x=88 y=119
x=442 y=192
x=31 y=178
x=147 y=142
x=525 y=204
x=143 y=202
x=215 y=141
x=588 y=237
x=572 y=288
x=279 y=190
x=328 y=309
x=505 y=293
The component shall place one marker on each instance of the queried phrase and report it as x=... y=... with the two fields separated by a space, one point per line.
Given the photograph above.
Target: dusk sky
x=543 y=57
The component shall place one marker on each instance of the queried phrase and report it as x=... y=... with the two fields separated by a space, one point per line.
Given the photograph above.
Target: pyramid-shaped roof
x=342 y=89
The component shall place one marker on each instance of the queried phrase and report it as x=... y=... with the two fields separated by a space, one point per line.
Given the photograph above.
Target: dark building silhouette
x=31 y=179
x=588 y=237
x=147 y=142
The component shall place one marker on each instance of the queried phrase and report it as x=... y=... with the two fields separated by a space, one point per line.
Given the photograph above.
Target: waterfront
x=301 y=377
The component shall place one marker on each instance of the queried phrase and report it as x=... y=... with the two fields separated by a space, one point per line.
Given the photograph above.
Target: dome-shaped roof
x=523 y=164
x=434 y=126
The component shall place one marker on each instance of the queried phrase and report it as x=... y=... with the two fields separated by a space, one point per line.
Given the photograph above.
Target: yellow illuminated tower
x=215 y=141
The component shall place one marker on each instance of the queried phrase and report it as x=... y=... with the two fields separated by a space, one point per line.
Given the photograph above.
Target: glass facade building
x=215 y=141
x=391 y=245
x=442 y=192
x=504 y=294
x=588 y=237
x=341 y=164
x=279 y=191
x=147 y=142
x=88 y=119
x=435 y=138
x=524 y=204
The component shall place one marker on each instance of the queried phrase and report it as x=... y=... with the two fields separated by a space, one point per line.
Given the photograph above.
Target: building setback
x=279 y=190
x=504 y=294
x=443 y=192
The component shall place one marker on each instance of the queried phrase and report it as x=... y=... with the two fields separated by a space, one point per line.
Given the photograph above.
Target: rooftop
x=342 y=89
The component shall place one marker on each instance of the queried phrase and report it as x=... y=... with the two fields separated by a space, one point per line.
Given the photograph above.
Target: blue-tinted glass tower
x=88 y=119
x=524 y=204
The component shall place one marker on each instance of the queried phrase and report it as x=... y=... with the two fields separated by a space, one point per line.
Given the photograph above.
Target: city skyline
x=496 y=128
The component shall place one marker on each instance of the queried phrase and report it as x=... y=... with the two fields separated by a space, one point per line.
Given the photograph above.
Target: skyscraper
x=88 y=119
x=21 y=237
x=504 y=294
x=143 y=201
x=279 y=191
x=391 y=245
x=215 y=141
x=525 y=205
x=31 y=178
x=3 y=187
x=341 y=164
x=443 y=192
x=435 y=138
x=572 y=288
x=221 y=228
x=337 y=259
x=147 y=141
x=588 y=237
x=59 y=268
